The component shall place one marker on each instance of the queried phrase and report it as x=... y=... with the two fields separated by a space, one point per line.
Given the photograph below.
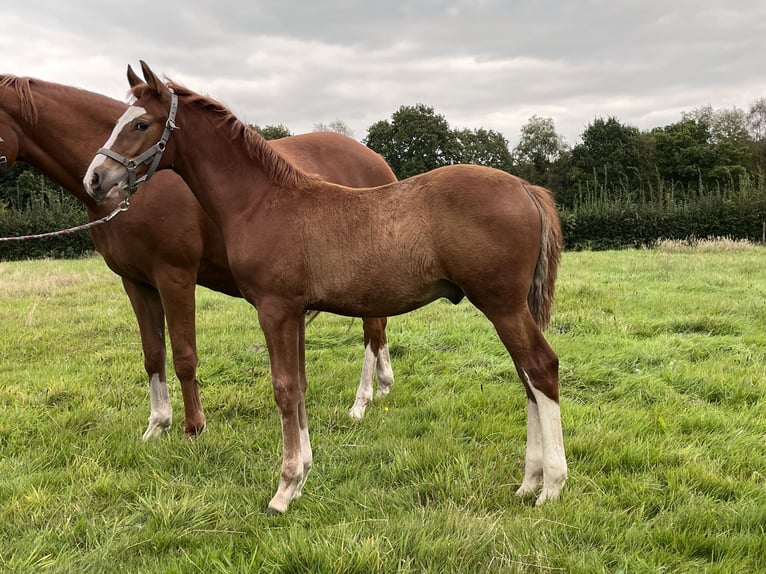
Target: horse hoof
x=194 y=431
x=270 y=511
x=384 y=384
x=360 y=407
x=548 y=493
x=357 y=412
x=524 y=492
x=154 y=430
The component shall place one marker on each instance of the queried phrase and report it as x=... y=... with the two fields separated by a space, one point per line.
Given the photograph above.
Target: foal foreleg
x=282 y=330
x=307 y=455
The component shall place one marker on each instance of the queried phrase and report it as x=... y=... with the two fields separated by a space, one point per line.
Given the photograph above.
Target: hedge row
x=597 y=225
x=639 y=225
x=51 y=210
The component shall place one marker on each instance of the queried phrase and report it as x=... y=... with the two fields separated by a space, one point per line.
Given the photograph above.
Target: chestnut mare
x=161 y=255
x=462 y=230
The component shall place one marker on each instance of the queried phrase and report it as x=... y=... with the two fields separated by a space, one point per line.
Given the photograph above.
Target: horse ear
x=133 y=78
x=154 y=82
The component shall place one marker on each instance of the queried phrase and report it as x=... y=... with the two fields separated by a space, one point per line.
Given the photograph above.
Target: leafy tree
x=416 y=140
x=337 y=126
x=683 y=152
x=540 y=153
x=723 y=124
x=483 y=147
x=730 y=141
x=756 y=124
x=756 y=119
x=539 y=146
x=608 y=155
x=273 y=132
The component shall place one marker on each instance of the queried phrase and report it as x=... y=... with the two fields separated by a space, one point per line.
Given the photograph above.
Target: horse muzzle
x=102 y=184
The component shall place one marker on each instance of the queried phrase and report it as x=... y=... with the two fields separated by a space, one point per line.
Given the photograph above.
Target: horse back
x=335 y=158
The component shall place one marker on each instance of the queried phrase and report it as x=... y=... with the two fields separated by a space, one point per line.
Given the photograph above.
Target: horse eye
x=142 y=126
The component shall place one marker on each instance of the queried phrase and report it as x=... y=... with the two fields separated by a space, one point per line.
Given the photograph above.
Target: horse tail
x=540 y=296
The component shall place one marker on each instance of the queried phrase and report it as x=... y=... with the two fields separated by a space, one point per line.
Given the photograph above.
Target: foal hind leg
x=375 y=357
x=533 y=463
x=537 y=366
x=147 y=308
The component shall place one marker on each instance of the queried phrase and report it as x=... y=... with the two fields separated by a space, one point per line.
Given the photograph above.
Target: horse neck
x=66 y=128
x=230 y=169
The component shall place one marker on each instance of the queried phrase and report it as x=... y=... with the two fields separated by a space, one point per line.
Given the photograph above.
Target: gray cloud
x=480 y=63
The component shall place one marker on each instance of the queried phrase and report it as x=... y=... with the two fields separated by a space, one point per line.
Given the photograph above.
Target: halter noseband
x=154 y=153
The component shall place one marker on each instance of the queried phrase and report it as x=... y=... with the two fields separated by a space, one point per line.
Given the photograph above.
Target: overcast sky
x=479 y=63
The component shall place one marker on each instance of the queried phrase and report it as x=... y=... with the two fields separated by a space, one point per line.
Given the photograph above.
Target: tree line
x=618 y=186
x=706 y=149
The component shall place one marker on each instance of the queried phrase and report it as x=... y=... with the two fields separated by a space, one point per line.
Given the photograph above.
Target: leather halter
x=3 y=163
x=153 y=154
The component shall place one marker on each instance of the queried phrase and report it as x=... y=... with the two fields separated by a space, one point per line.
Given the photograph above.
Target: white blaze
x=130 y=114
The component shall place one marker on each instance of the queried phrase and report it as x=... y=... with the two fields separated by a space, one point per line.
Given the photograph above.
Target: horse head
x=137 y=146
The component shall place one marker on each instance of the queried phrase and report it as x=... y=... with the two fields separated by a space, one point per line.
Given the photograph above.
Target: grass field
x=663 y=405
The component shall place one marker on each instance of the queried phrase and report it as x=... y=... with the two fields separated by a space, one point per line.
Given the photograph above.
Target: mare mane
x=23 y=89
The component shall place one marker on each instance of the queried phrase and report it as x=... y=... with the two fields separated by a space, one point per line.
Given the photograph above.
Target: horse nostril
x=94 y=180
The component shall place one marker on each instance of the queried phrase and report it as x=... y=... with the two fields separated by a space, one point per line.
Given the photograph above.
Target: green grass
x=663 y=405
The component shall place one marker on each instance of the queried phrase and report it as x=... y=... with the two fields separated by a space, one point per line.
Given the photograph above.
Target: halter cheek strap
x=154 y=153
x=3 y=162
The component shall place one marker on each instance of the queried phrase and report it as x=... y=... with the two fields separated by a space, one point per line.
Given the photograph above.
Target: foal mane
x=23 y=89
x=279 y=171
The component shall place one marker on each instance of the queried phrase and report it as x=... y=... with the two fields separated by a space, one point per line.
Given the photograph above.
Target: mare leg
x=147 y=307
x=284 y=328
x=385 y=370
x=179 y=304
x=375 y=356
x=537 y=366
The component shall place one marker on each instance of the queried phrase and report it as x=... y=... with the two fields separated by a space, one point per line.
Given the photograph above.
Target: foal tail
x=540 y=297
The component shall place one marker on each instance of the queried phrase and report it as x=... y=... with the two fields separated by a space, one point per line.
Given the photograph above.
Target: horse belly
x=380 y=293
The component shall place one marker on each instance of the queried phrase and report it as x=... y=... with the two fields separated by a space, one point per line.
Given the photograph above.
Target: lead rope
x=123 y=206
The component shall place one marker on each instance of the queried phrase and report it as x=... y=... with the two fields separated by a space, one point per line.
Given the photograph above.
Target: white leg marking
x=130 y=114
x=364 y=392
x=161 y=416
x=554 y=459
x=291 y=478
x=385 y=372
x=533 y=465
x=307 y=457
